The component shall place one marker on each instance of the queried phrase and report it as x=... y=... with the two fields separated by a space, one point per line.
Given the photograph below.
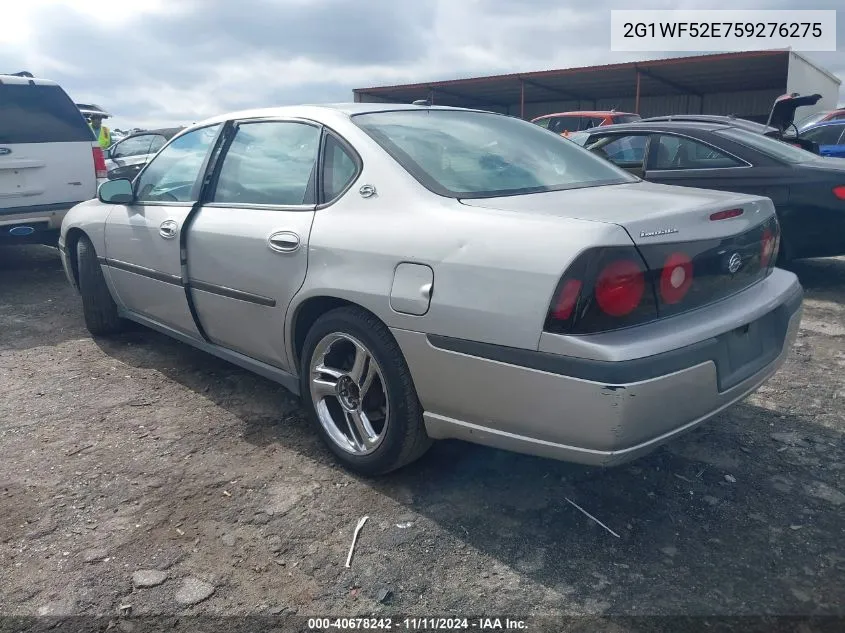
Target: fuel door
x=412 y=287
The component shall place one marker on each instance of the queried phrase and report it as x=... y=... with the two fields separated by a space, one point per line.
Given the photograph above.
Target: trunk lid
x=695 y=246
x=650 y=213
x=783 y=110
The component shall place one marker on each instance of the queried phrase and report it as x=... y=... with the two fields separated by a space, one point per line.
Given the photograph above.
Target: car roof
x=167 y=132
x=586 y=113
x=721 y=119
x=25 y=79
x=678 y=125
x=316 y=110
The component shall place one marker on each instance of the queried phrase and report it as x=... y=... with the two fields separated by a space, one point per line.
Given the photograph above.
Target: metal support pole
x=521 y=99
x=637 y=100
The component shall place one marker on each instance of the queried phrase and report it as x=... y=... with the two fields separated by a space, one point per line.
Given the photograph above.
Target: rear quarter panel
x=494 y=271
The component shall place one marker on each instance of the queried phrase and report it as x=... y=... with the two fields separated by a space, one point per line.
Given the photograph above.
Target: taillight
x=605 y=288
x=620 y=287
x=565 y=301
x=767 y=248
x=676 y=278
x=99 y=163
x=839 y=192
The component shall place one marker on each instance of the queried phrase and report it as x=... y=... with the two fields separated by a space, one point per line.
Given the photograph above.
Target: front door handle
x=283 y=242
x=168 y=229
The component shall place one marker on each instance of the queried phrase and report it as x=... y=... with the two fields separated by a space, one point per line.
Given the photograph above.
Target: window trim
x=648 y=162
x=213 y=176
x=199 y=181
x=351 y=151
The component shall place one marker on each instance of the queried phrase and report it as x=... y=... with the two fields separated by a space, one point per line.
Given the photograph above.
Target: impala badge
x=658 y=232
x=5 y=151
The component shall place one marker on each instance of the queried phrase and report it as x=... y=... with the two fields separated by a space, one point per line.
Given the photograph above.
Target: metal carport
x=744 y=84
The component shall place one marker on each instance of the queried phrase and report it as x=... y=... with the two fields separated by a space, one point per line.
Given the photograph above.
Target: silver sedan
x=418 y=272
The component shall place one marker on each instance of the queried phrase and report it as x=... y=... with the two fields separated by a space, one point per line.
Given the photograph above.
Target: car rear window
x=779 y=150
x=475 y=154
x=40 y=114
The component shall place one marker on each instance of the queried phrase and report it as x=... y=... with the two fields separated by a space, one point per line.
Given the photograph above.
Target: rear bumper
x=37 y=224
x=579 y=410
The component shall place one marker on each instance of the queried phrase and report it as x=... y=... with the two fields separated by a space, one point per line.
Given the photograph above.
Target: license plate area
x=744 y=346
x=746 y=350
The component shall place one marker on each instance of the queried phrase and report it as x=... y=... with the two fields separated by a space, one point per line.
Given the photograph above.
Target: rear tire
x=98 y=307
x=393 y=432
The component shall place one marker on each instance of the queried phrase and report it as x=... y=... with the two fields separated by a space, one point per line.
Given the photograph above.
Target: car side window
x=825 y=134
x=543 y=123
x=157 y=143
x=624 y=150
x=561 y=124
x=269 y=162
x=172 y=174
x=339 y=169
x=677 y=152
x=135 y=146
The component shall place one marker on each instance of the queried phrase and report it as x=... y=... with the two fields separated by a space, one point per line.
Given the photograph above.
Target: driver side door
x=144 y=240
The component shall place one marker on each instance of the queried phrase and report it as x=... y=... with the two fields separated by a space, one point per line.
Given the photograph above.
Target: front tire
x=357 y=389
x=98 y=307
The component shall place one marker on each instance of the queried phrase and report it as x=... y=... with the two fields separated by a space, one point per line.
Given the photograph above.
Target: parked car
x=829 y=136
x=417 y=273
x=565 y=123
x=49 y=159
x=780 y=124
x=128 y=156
x=808 y=191
x=820 y=117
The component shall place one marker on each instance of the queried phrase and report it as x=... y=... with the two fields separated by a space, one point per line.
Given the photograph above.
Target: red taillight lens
x=566 y=299
x=724 y=215
x=676 y=278
x=606 y=288
x=839 y=192
x=100 y=163
x=620 y=287
x=767 y=248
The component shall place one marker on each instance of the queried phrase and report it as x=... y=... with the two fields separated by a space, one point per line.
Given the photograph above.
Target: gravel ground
x=138 y=471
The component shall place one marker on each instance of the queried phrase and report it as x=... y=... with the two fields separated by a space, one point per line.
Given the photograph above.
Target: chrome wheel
x=349 y=393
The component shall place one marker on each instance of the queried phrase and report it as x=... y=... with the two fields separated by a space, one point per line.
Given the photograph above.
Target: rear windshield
x=477 y=155
x=768 y=146
x=40 y=114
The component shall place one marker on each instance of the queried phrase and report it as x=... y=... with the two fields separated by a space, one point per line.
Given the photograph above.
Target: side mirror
x=116 y=192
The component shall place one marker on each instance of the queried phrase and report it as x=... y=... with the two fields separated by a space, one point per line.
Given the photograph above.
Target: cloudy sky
x=161 y=62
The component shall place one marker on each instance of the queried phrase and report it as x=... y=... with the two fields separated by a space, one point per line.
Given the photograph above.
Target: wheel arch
x=306 y=313
x=74 y=234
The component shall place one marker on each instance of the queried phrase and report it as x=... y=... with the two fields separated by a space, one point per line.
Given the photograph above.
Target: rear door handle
x=283 y=242
x=168 y=229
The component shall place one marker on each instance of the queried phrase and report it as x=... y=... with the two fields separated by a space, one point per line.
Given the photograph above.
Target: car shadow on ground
x=821 y=274
x=733 y=518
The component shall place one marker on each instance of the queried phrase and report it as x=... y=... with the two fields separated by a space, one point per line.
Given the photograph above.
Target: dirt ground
x=141 y=453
